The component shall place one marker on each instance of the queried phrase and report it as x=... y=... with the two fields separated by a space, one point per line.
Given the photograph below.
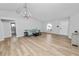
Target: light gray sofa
x=32 y=32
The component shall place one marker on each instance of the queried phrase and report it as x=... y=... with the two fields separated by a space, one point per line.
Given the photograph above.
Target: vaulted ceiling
x=45 y=11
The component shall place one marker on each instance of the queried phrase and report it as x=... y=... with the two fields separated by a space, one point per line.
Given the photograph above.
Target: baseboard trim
x=2 y=39
x=23 y=36
x=7 y=37
x=54 y=34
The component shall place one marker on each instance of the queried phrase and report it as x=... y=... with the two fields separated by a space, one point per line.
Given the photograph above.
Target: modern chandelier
x=24 y=11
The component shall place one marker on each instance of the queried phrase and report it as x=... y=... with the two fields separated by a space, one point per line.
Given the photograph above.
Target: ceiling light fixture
x=24 y=11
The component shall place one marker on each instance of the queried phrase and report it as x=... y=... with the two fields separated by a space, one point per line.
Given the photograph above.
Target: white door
x=64 y=27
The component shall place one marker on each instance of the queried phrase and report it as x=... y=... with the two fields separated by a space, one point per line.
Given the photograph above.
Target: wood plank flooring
x=43 y=45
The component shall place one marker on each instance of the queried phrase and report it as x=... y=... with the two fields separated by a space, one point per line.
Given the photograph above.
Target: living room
x=32 y=29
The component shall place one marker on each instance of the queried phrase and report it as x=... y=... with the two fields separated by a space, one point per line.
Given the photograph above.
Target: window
x=49 y=27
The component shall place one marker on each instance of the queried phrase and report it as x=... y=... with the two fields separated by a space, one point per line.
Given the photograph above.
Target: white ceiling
x=45 y=11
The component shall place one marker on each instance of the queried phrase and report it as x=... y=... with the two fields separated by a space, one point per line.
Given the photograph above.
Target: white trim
x=1 y=39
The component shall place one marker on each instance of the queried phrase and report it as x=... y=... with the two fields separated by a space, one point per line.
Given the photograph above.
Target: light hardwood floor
x=44 y=45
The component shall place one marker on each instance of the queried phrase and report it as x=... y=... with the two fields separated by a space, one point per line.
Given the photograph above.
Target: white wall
x=1 y=31
x=21 y=23
x=54 y=28
x=74 y=24
x=62 y=29
x=6 y=29
x=25 y=24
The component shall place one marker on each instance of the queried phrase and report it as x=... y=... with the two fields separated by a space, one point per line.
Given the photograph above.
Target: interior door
x=64 y=27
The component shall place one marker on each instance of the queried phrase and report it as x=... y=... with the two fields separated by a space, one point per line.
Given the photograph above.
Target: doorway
x=13 y=29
